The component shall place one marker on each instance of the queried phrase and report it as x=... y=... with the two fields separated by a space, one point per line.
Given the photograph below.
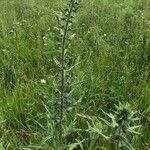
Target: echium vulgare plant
x=65 y=20
x=122 y=127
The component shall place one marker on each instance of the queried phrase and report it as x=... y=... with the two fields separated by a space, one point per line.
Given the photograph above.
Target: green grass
x=112 y=53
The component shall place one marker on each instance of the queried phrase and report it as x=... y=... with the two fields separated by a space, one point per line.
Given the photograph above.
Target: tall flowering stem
x=64 y=28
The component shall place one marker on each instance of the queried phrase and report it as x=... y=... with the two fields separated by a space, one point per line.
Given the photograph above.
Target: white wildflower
x=43 y=81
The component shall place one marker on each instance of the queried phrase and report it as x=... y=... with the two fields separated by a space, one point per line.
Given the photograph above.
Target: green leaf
x=126 y=144
x=106 y=122
x=62 y=32
x=56 y=62
x=132 y=129
x=96 y=130
x=75 y=145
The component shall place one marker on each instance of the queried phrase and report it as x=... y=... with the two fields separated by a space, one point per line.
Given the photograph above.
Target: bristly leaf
x=96 y=130
x=126 y=144
x=122 y=122
x=132 y=129
x=57 y=62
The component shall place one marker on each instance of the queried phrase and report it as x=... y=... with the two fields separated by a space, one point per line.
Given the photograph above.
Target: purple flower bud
x=66 y=95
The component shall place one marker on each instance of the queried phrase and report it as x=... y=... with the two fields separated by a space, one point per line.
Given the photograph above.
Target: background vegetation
x=111 y=58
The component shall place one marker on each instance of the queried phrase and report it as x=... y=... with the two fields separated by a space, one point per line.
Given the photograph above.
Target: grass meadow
x=108 y=76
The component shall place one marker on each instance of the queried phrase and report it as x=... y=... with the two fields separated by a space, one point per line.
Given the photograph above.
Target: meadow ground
x=110 y=59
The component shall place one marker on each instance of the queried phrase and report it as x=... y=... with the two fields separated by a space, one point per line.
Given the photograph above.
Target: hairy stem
x=63 y=46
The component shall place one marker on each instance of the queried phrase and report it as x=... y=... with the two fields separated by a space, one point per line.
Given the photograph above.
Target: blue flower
x=66 y=95
x=68 y=101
